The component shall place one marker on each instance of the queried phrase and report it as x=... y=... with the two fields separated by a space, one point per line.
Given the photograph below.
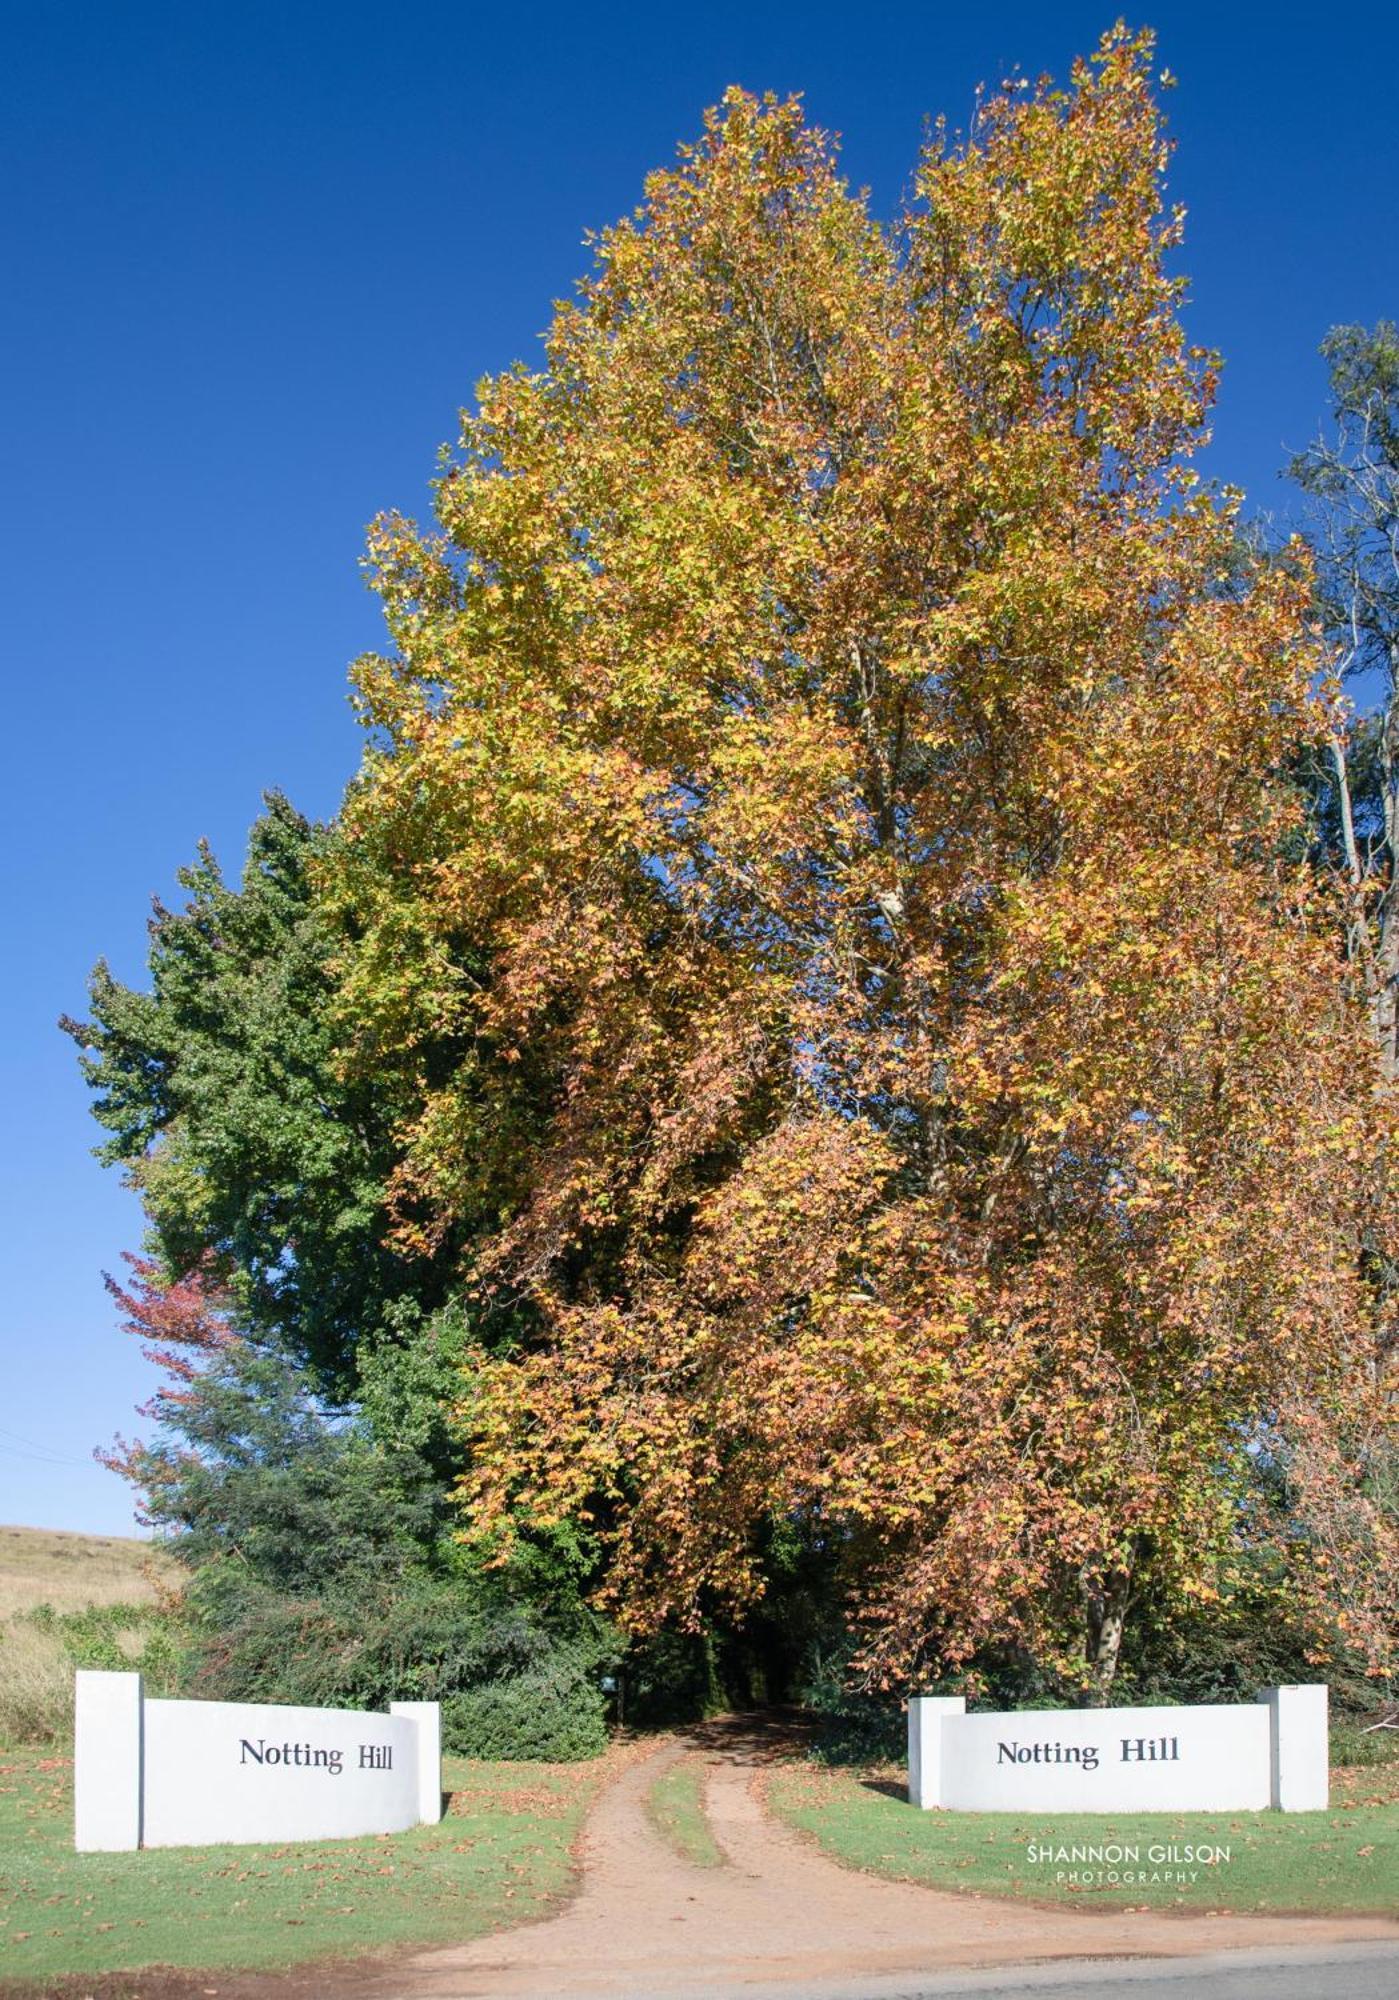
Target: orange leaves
x=775 y=1229
x=822 y=883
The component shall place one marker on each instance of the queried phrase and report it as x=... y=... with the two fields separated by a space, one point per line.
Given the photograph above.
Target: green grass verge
x=1343 y=1860
x=501 y=1856
x=676 y=1805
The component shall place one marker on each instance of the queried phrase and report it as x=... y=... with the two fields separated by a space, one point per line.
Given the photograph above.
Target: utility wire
x=43 y=1454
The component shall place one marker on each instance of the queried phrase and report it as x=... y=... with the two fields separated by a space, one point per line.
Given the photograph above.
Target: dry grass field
x=46 y=1568
x=71 y=1572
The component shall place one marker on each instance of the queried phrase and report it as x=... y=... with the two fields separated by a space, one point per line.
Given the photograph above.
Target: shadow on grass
x=892 y=1788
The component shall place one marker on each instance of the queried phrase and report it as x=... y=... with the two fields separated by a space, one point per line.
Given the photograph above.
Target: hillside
x=49 y=1566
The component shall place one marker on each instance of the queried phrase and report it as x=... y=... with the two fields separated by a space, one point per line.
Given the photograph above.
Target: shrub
x=121 y=1638
x=511 y=1685
x=40 y=1650
x=556 y=1712
x=1357 y=1743
x=852 y=1726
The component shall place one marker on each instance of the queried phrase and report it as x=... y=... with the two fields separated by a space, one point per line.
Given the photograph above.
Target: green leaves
x=223 y=1099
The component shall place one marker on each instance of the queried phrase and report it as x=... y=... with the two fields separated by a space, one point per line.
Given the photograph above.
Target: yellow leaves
x=816 y=897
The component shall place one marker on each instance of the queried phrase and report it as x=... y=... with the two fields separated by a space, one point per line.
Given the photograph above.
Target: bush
x=121 y=1638
x=555 y=1712
x=852 y=1726
x=511 y=1685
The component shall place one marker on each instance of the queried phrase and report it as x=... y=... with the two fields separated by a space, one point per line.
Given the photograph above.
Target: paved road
x=1343 y=1972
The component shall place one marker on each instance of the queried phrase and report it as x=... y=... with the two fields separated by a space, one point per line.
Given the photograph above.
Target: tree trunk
x=1376 y=955
x=1106 y=1601
x=1386 y=1011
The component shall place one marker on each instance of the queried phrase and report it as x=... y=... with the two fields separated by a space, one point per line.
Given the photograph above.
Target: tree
x=827 y=802
x=319 y=1566
x=253 y=1156
x=253 y=1480
x=1352 y=481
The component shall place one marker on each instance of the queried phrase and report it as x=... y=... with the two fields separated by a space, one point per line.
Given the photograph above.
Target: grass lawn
x=676 y=1806
x=501 y=1856
x=1346 y=1859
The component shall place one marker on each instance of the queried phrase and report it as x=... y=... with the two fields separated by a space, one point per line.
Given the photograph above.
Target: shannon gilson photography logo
x=1113 y=1864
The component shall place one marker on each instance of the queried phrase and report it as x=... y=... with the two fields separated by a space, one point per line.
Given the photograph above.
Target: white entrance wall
x=201 y=1773
x=1237 y=1758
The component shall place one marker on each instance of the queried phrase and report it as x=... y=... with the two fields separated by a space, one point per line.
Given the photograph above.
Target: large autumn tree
x=824 y=792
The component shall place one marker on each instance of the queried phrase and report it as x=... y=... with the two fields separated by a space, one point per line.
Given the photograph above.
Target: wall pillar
x=1297 y=1718
x=428 y=1736
x=925 y=1714
x=107 y=1762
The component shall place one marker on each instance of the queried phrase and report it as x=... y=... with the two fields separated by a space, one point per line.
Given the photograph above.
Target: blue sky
x=256 y=258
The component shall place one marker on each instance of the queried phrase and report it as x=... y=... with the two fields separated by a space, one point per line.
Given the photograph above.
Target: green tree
x=321 y=1562
x=1351 y=478
x=224 y=1103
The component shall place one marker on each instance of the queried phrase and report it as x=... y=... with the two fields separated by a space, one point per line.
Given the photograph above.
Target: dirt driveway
x=647 y=1922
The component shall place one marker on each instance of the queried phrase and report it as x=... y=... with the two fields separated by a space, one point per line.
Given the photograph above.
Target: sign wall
x=197 y=1773
x=1242 y=1757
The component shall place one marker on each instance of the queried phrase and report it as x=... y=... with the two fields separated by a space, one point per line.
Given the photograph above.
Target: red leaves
x=186 y=1320
x=188 y=1312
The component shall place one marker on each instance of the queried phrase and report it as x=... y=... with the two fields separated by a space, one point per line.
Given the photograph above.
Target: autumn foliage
x=824 y=885
x=184 y=1324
